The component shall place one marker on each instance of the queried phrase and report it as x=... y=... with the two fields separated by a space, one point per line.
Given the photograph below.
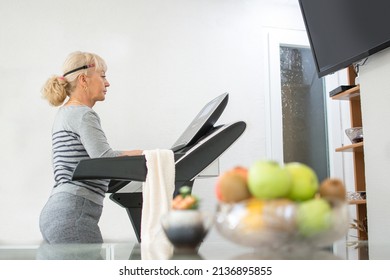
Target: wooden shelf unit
x=353 y=96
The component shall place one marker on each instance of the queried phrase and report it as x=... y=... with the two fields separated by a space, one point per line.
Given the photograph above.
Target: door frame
x=335 y=114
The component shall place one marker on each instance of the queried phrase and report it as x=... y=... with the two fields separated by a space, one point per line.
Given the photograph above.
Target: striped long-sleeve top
x=77 y=135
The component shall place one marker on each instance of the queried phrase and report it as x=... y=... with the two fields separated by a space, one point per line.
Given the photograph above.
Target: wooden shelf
x=350 y=94
x=357 y=147
x=360 y=201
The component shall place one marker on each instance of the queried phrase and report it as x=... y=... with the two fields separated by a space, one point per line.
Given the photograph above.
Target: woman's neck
x=78 y=100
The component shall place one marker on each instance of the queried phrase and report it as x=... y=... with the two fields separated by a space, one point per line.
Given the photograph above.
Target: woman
x=72 y=213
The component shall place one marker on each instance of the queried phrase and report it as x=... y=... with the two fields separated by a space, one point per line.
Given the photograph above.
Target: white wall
x=166 y=60
x=375 y=100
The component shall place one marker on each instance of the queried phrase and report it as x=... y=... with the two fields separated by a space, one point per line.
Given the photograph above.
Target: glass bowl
x=274 y=224
x=355 y=134
x=186 y=229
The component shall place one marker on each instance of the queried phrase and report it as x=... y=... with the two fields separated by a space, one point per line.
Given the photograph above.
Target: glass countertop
x=209 y=250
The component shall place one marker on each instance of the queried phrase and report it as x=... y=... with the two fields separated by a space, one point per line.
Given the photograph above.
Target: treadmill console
x=202 y=123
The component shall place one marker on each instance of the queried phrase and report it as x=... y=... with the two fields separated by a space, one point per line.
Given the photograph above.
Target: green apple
x=304 y=181
x=267 y=179
x=313 y=216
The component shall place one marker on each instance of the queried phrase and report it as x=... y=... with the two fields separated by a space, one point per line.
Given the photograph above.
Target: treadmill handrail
x=188 y=165
x=236 y=128
x=126 y=168
x=114 y=168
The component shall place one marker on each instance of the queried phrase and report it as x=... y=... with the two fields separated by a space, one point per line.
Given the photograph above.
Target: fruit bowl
x=186 y=229
x=355 y=134
x=280 y=223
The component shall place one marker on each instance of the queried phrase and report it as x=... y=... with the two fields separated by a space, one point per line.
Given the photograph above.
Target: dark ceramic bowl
x=186 y=229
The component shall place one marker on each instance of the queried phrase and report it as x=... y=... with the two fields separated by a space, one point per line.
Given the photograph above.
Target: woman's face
x=97 y=85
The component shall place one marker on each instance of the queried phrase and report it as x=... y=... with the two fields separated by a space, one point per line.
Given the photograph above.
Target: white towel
x=157 y=195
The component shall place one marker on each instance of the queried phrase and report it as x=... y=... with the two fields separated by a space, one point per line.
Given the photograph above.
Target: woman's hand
x=132 y=153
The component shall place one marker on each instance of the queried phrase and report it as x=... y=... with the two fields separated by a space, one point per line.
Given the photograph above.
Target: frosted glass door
x=303 y=110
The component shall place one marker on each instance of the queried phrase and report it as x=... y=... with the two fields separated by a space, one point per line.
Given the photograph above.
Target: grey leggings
x=67 y=218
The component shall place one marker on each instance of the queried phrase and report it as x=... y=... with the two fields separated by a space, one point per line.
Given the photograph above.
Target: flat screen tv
x=344 y=32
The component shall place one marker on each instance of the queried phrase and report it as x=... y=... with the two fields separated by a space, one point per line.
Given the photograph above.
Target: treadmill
x=198 y=147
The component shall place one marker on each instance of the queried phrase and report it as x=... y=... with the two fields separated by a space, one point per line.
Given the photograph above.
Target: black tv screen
x=343 y=32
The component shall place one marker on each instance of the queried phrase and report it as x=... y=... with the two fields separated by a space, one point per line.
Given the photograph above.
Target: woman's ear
x=82 y=79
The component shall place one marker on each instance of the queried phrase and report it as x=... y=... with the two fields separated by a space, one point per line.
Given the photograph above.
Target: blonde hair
x=57 y=88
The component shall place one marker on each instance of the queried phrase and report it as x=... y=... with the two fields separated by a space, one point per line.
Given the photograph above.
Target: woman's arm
x=95 y=141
